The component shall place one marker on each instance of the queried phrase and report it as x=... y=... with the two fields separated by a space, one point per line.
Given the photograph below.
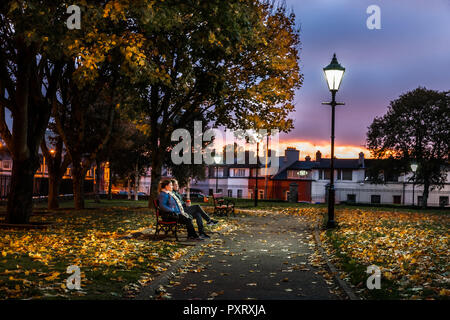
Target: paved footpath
x=265 y=258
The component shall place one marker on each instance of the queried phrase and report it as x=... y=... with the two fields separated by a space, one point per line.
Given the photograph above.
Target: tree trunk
x=155 y=178
x=136 y=183
x=426 y=191
x=97 y=182
x=129 y=189
x=53 y=191
x=188 y=189
x=110 y=185
x=20 y=200
x=78 y=188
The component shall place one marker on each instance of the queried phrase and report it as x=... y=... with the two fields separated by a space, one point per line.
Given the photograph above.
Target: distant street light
x=414 y=167
x=217 y=160
x=334 y=73
x=257 y=139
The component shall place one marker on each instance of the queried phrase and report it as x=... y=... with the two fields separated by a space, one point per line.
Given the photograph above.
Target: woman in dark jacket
x=170 y=209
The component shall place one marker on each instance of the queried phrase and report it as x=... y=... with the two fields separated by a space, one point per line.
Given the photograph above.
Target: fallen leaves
x=411 y=248
x=92 y=240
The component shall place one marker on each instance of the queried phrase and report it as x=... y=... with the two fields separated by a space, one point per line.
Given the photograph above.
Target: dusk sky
x=412 y=49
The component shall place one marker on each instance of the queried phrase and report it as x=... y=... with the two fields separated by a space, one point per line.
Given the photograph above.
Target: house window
x=351 y=198
x=239 y=193
x=238 y=172
x=230 y=193
x=292 y=174
x=260 y=194
x=6 y=164
x=419 y=200
x=375 y=198
x=286 y=195
x=397 y=199
x=344 y=174
x=218 y=173
x=347 y=174
x=324 y=174
x=391 y=178
x=443 y=201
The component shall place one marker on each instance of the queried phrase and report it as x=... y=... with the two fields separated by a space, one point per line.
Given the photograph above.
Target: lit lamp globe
x=414 y=167
x=333 y=74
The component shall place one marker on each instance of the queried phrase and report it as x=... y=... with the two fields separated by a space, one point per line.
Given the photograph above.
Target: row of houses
x=352 y=183
x=311 y=178
x=40 y=187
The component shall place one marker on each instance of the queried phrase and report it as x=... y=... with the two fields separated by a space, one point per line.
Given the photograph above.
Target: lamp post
x=414 y=167
x=256 y=174
x=217 y=160
x=333 y=75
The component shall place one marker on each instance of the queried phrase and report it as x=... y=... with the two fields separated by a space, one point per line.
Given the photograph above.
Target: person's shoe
x=195 y=238
x=211 y=222
x=204 y=236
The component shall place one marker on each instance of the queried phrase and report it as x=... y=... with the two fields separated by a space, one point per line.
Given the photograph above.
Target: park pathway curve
x=266 y=257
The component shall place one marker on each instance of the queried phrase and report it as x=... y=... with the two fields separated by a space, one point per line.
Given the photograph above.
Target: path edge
x=344 y=286
x=164 y=277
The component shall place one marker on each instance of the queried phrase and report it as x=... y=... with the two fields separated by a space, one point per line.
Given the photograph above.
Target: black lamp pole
x=333 y=74
x=331 y=191
x=217 y=178
x=256 y=176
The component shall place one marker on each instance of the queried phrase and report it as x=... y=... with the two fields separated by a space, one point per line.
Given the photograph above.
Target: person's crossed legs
x=199 y=214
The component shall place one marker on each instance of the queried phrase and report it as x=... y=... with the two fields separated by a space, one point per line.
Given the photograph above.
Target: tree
x=58 y=161
x=89 y=116
x=416 y=127
x=184 y=173
x=35 y=44
x=127 y=152
x=30 y=62
x=228 y=60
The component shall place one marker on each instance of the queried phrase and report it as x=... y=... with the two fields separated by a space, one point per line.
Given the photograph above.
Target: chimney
x=318 y=155
x=308 y=158
x=361 y=160
x=291 y=154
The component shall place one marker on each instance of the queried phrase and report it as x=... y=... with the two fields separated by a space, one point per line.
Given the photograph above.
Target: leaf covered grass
x=33 y=263
x=411 y=249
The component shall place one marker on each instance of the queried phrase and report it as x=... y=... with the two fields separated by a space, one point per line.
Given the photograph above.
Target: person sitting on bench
x=172 y=210
x=196 y=211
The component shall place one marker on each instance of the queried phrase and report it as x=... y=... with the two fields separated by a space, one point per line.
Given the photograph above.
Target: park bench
x=163 y=225
x=222 y=206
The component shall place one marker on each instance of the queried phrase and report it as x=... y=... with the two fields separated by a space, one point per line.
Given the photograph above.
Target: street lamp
x=333 y=75
x=217 y=160
x=256 y=138
x=414 y=167
x=256 y=174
